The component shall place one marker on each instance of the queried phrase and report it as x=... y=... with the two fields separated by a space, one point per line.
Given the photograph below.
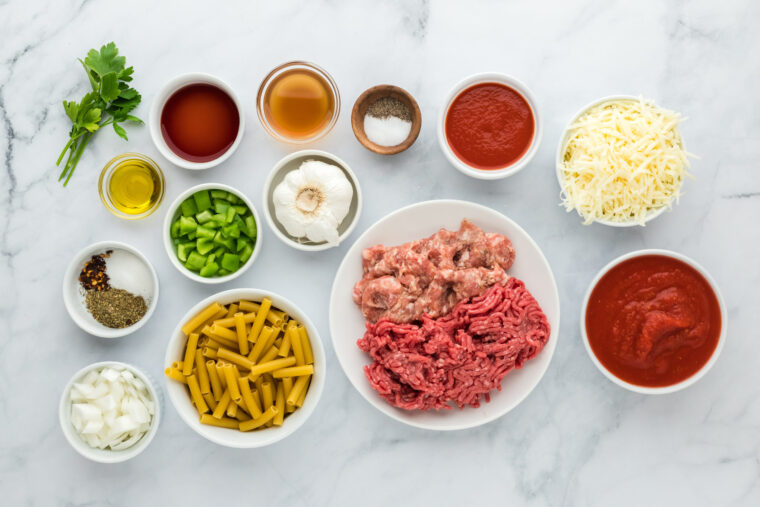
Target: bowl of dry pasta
x=245 y=368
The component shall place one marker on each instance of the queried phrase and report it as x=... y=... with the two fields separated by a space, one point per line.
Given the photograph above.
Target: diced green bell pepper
x=241 y=209
x=246 y=253
x=219 y=194
x=250 y=226
x=233 y=198
x=187 y=225
x=209 y=270
x=231 y=231
x=221 y=206
x=184 y=249
x=195 y=261
x=202 y=200
x=204 y=216
x=188 y=207
x=230 y=215
x=219 y=252
x=204 y=245
x=231 y=262
x=205 y=232
x=211 y=258
x=174 y=229
x=222 y=272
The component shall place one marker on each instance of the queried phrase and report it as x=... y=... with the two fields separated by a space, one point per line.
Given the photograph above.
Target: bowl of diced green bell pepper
x=211 y=233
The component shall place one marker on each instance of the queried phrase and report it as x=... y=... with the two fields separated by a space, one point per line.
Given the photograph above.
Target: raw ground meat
x=459 y=357
x=430 y=275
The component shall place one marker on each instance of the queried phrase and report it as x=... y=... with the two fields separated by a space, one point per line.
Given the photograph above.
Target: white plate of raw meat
x=418 y=221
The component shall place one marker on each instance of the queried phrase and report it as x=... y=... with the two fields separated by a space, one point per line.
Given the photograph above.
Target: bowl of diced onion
x=621 y=161
x=110 y=411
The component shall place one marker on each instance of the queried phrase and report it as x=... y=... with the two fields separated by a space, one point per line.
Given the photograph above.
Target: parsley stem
x=80 y=150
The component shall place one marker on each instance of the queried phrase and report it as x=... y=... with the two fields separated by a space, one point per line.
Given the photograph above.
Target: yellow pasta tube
x=298 y=387
x=274 y=318
x=223 y=332
x=241 y=336
x=213 y=376
x=209 y=353
x=235 y=358
x=224 y=342
x=267 y=395
x=295 y=342
x=232 y=409
x=302 y=396
x=259 y=421
x=221 y=407
x=242 y=416
x=294 y=371
x=231 y=310
x=202 y=372
x=221 y=313
x=260 y=345
x=280 y=314
x=270 y=355
x=195 y=394
x=245 y=390
x=285 y=346
x=192 y=344
x=178 y=365
x=211 y=343
x=279 y=403
x=308 y=354
x=222 y=422
x=219 y=365
x=287 y=385
x=247 y=306
x=175 y=374
x=277 y=364
x=210 y=401
x=258 y=323
x=200 y=317
x=231 y=374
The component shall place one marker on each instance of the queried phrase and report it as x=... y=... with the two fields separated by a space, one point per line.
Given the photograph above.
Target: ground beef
x=431 y=275
x=459 y=357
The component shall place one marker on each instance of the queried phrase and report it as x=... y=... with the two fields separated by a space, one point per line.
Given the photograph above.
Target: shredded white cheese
x=111 y=408
x=623 y=160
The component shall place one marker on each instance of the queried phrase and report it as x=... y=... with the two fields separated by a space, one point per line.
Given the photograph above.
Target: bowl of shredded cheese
x=621 y=161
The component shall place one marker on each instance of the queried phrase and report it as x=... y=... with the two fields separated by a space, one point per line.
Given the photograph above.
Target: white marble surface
x=578 y=439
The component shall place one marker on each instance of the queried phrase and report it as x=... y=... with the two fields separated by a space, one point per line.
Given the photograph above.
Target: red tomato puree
x=199 y=122
x=489 y=126
x=653 y=321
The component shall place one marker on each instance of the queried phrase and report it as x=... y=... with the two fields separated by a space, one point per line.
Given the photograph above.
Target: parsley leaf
x=110 y=102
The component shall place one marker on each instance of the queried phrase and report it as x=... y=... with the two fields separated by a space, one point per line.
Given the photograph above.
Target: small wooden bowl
x=368 y=98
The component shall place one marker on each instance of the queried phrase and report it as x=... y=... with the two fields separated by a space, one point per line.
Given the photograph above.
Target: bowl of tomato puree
x=489 y=127
x=653 y=321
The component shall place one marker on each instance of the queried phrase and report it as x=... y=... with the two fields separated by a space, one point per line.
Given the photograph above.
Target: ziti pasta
x=246 y=365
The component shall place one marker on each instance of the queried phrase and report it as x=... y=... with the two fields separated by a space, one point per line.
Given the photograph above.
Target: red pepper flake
x=93 y=275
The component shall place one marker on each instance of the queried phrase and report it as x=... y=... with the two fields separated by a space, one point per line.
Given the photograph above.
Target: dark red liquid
x=199 y=122
x=653 y=321
x=489 y=126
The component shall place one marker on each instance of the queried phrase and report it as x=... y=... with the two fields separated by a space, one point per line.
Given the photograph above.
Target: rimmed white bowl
x=157 y=107
x=106 y=455
x=561 y=152
x=73 y=293
x=172 y=252
x=291 y=163
x=347 y=324
x=180 y=398
x=686 y=382
x=516 y=166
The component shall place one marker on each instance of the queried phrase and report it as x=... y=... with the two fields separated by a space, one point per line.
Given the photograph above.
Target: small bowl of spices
x=110 y=289
x=386 y=119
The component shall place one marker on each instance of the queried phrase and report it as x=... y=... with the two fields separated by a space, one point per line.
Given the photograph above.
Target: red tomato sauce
x=489 y=126
x=653 y=321
x=199 y=122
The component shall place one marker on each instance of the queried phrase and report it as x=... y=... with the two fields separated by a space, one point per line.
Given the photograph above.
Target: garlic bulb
x=313 y=200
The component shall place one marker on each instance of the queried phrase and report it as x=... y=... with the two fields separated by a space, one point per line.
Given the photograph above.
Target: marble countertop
x=578 y=439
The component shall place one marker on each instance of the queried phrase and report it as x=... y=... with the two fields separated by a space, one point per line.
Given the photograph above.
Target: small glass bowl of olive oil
x=131 y=186
x=298 y=102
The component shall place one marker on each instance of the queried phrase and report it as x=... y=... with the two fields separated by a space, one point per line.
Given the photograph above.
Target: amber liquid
x=299 y=103
x=134 y=186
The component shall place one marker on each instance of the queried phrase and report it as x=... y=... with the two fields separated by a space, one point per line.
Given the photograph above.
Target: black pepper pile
x=389 y=106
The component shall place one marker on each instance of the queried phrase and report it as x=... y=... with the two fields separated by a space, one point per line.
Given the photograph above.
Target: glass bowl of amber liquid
x=131 y=186
x=298 y=102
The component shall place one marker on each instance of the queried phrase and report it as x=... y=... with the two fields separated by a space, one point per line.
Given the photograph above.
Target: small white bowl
x=171 y=251
x=180 y=398
x=74 y=294
x=157 y=107
x=291 y=163
x=561 y=152
x=516 y=166
x=106 y=455
x=684 y=383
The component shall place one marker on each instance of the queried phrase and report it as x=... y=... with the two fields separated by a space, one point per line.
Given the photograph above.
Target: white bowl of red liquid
x=489 y=127
x=653 y=321
x=196 y=121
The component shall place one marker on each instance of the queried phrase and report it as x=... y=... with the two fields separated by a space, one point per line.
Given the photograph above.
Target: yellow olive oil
x=134 y=186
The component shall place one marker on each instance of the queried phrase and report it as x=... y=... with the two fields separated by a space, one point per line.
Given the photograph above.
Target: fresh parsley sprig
x=109 y=103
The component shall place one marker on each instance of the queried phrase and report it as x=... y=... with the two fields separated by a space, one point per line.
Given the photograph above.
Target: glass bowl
x=271 y=78
x=105 y=180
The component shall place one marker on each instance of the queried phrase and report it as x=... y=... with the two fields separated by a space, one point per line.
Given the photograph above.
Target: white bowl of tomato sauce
x=489 y=127
x=653 y=321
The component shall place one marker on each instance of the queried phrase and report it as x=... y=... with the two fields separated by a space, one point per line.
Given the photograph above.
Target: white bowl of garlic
x=312 y=200
x=110 y=411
